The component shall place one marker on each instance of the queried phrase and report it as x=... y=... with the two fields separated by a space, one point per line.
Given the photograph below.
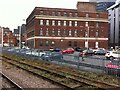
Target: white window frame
x=41 y=22
x=47 y=22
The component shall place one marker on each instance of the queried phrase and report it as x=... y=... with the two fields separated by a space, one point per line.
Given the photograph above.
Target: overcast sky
x=12 y=12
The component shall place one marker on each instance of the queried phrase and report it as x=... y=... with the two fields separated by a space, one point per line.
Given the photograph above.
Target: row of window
x=70 y=23
x=64 y=13
x=47 y=43
x=64 y=33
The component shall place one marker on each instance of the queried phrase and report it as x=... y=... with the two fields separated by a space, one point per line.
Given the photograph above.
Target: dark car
x=79 y=49
x=88 y=52
x=57 y=50
x=52 y=56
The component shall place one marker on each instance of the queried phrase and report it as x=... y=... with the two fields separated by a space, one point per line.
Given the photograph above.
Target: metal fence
x=89 y=63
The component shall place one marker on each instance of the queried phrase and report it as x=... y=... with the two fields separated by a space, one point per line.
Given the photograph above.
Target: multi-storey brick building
x=63 y=28
x=8 y=38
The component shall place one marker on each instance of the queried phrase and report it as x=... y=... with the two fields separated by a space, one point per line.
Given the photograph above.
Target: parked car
x=100 y=52
x=57 y=50
x=35 y=52
x=88 y=52
x=79 y=49
x=68 y=50
x=114 y=64
x=51 y=49
x=52 y=56
x=112 y=55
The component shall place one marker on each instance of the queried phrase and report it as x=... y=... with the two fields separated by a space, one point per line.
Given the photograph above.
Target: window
x=75 y=32
x=86 y=33
x=69 y=43
x=64 y=32
x=64 y=23
x=96 y=34
x=53 y=13
x=58 y=32
x=97 y=15
x=76 y=14
x=59 y=23
x=53 y=23
x=41 y=22
x=75 y=23
x=47 y=43
x=70 y=32
x=47 y=13
x=59 y=13
x=65 y=14
x=53 y=32
x=91 y=23
x=97 y=24
x=41 y=12
x=41 y=43
x=70 y=14
x=86 y=24
x=47 y=32
x=75 y=43
x=87 y=15
x=70 y=23
x=47 y=22
x=41 y=31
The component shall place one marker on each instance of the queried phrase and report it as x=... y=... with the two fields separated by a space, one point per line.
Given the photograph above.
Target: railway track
x=13 y=84
x=65 y=78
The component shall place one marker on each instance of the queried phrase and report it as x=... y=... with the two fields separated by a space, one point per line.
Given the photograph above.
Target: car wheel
x=111 y=58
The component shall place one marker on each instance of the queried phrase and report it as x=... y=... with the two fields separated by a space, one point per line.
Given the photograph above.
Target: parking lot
x=94 y=63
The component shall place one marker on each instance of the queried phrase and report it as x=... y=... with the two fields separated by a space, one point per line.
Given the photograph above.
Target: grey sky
x=14 y=11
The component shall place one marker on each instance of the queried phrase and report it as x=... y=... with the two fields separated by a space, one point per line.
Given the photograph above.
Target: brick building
x=63 y=28
x=8 y=38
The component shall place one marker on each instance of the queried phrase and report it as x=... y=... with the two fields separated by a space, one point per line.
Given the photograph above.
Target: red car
x=114 y=64
x=68 y=50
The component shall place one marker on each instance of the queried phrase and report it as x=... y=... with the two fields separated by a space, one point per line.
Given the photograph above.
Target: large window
x=59 y=13
x=70 y=43
x=47 y=13
x=75 y=43
x=53 y=13
x=64 y=32
x=86 y=24
x=41 y=31
x=53 y=22
x=65 y=14
x=47 y=43
x=41 y=43
x=70 y=23
x=47 y=22
x=47 y=32
x=70 y=14
x=75 y=23
x=76 y=14
x=96 y=33
x=70 y=32
x=41 y=12
x=75 y=32
x=41 y=22
x=97 y=24
x=64 y=23
x=59 y=23
x=58 y=32
x=53 y=32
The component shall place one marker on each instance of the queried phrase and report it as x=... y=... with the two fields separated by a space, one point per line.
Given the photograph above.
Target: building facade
x=114 y=25
x=102 y=5
x=63 y=28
